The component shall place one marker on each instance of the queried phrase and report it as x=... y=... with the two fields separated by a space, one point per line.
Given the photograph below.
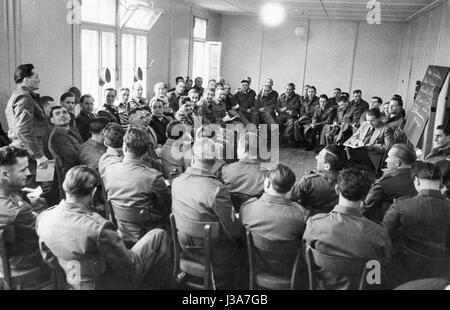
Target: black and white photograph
x=215 y=151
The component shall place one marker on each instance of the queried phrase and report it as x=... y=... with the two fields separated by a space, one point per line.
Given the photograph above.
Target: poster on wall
x=425 y=103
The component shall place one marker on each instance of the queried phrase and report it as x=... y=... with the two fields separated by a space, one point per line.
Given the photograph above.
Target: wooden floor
x=300 y=161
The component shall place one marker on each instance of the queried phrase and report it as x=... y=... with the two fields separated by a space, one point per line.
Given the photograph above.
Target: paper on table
x=354 y=143
x=46 y=175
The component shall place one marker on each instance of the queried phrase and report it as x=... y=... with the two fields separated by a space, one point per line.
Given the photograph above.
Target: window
x=206 y=55
x=134 y=56
x=103 y=34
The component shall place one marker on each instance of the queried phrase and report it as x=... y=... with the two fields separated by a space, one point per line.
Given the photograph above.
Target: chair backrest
x=7 y=237
x=130 y=215
x=283 y=248
x=338 y=265
x=203 y=230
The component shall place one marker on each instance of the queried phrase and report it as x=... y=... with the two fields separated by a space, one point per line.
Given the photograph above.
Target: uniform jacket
x=316 y=192
x=397 y=123
x=290 y=103
x=420 y=223
x=393 y=184
x=111 y=157
x=244 y=177
x=83 y=121
x=64 y=144
x=159 y=126
x=174 y=101
x=360 y=107
x=269 y=103
x=110 y=113
x=438 y=154
x=90 y=153
x=245 y=100
x=27 y=122
x=346 y=115
x=344 y=232
x=308 y=107
x=324 y=117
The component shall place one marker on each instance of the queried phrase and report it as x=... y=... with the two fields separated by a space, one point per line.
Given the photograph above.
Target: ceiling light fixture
x=272 y=14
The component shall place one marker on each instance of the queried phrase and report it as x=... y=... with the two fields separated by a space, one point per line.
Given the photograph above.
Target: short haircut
x=378 y=99
x=336 y=157
x=80 y=181
x=204 y=150
x=219 y=85
x=66 y=95
x=9 y=155
x=353 y=184
x=248 y=143
x=323 y=96
x=290 y=85
x=212 y=81
x=446 y=130
x=340 y=90
x=398 y=100
x=110 y=89
x=245 y=81
x=84 y=97
x=374 y=112
x=193 y=91
x=46 y=99
x=211 y=90
x=55 y=108
x=444 y=167
x=97 y=125
x=358 y=91
x=137 y=141
x=313 y=87
x=124 y=89
x=345 y=95
x=113 y=135
x=134 y=111
x=427 y=171
x=179 y=79
x=153 y=101
x=282 y=178
x=174 y=125
x=22 y=72
x=306 y=86
x=405 y=153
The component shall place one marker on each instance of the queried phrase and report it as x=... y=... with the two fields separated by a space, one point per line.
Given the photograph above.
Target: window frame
x=198 y=40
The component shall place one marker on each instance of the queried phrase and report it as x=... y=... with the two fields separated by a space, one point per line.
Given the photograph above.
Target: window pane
x=139 y=17
x=89 y=64
x=99 y=11
x=109 y=57
x=200 y=28
x=141 y=59
x=128 y=55
x=198 y=66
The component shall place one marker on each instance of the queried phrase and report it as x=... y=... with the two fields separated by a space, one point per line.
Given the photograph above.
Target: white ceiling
x=391 y=10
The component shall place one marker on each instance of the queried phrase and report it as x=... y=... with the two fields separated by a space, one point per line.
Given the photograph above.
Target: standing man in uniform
x=26 y=118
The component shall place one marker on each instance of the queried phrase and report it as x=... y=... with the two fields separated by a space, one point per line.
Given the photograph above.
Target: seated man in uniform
x=324 y=114
x=396 y=121
x=113 y=140
x=75 y=236
x=245 y=97
x=140 y=118
x=265 y=104
x=198 y=195
x=83 y=119
x=245 y=179
x=420 y=224
x=108 y=110
x=94 y=148
x=288 y=109
x=302 y=126
x=137 y=101
x=442 y=149
x=175 y=95
x=372 y=141
x=276 y=218
x=360 y=105
x=158 y=121
x=345 y=233
x=205 y=107
x=396 y=182
x=20 y=211
x=316 y=191
x=132 y=183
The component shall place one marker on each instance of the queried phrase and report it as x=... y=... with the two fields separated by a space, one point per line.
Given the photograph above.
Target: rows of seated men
x=173 y=168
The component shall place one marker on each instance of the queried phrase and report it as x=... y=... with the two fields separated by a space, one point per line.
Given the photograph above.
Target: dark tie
x=368 y=135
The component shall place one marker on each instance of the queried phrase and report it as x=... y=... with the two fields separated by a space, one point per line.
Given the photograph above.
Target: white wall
x=426 y=42
x=45 y=39
x=348 y=55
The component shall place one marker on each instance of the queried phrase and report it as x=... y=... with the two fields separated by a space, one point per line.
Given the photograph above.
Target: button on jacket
x=134 y=184
x=344 y=232
x=199 y=196
x=27 y=122
x=421 y=223
x=393 y=184
x=316 y=192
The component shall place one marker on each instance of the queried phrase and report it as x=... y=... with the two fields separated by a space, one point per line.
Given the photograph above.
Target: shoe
x=309 y=147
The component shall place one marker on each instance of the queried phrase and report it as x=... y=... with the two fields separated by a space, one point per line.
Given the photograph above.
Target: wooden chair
x=21 y=279
x=341 y=266
x=265 y=279
x=184 y=266
x=130 y=215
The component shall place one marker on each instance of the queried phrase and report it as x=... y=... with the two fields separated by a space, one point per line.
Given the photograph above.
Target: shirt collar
x=275 y=199
x=347 y=210
x=116 y=152
x=200 y=172
x=140 y=162
x=74 y=206
x=96 y=144
x=250 y=161
x=430 y=192
x=398 y=171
